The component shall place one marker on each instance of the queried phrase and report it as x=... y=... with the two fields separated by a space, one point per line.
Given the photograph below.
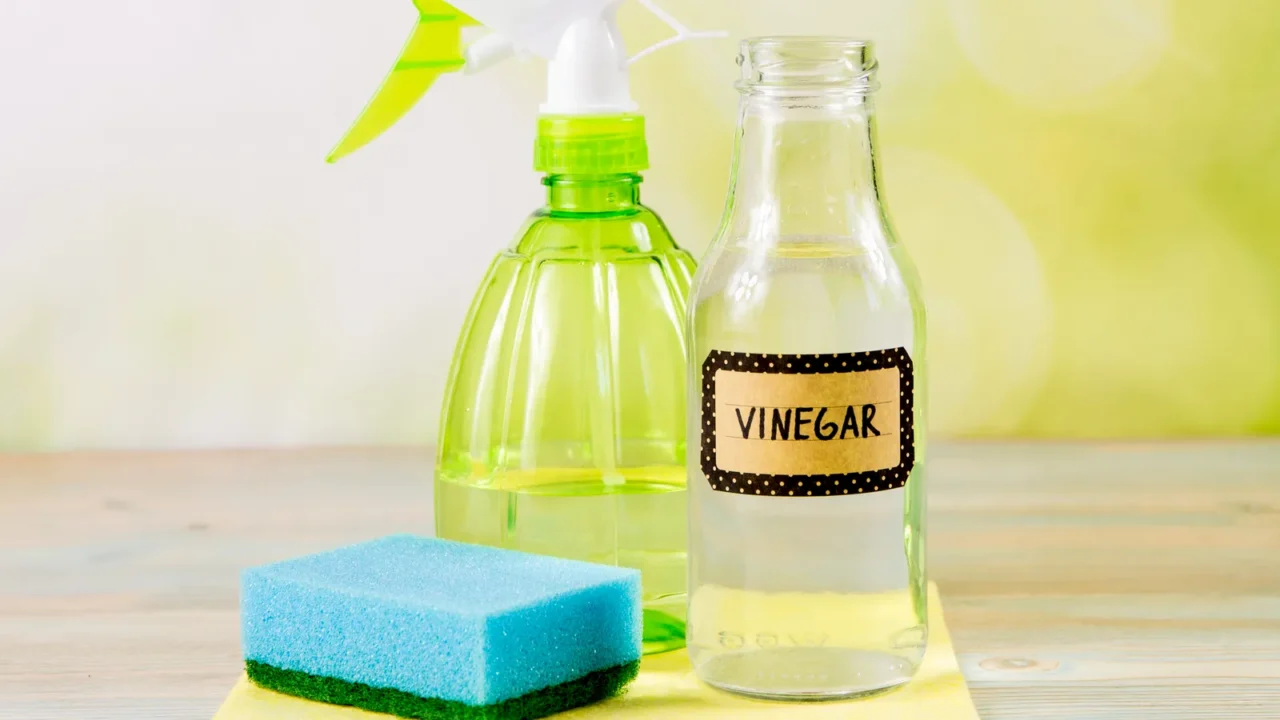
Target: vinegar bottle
x=806 y=365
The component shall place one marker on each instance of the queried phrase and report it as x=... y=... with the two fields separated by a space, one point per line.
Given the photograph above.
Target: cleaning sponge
x=428 y=628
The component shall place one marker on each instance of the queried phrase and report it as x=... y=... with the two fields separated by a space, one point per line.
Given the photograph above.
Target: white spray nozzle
x=589 y=74
x=487 y=52
x=580 y=38
x=588 y=62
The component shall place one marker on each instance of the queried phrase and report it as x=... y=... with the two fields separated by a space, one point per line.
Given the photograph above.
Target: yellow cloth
x=667 y=689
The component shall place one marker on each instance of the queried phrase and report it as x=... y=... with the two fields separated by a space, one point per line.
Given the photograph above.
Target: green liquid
x=637 y=520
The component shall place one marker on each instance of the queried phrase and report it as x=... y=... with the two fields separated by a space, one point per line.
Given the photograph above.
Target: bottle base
x=807 y=674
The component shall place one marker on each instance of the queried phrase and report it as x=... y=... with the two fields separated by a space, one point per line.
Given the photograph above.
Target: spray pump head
x=588 y=123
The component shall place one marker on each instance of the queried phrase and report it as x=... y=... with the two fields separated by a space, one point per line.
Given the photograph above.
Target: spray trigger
x=580 y=39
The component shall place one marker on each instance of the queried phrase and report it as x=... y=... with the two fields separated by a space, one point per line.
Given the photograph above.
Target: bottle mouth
x=802 y=65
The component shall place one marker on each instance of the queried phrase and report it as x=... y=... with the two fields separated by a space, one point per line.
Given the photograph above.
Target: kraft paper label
x=807 y=425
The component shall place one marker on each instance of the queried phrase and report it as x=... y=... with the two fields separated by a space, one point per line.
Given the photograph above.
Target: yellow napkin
x=667 y=689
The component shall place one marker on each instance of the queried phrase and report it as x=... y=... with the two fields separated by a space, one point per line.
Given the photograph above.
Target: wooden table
x=1080 y=581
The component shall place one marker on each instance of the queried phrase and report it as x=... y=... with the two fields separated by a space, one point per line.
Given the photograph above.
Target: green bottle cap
x=590 y=145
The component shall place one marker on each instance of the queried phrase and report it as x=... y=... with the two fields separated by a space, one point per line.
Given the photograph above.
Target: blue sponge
x=434 y=619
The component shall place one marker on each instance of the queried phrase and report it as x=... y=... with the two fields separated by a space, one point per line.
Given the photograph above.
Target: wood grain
x=1081 y=582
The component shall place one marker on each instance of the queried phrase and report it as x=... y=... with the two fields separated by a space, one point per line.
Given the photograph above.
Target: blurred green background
x=1092 y=192
x=1090 y=188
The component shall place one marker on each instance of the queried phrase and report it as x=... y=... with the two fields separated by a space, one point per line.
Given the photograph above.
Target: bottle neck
x=573 y=195
x=804 y=167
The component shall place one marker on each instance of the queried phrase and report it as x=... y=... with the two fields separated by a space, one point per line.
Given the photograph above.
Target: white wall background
x=178 y=266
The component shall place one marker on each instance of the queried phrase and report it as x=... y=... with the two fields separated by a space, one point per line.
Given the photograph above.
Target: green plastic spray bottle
x=562 y=431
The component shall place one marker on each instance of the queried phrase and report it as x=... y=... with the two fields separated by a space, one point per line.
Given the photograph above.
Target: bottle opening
x=806 y=66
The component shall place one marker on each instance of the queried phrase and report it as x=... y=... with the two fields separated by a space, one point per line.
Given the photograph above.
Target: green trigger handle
x=434 y=48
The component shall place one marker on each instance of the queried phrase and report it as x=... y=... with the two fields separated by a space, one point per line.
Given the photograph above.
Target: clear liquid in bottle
x=563 y=426
x=806 y=546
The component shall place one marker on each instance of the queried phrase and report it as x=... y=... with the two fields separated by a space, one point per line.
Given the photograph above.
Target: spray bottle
x=562 y=430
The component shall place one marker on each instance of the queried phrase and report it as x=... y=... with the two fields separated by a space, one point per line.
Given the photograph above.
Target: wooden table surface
x=1080 y=581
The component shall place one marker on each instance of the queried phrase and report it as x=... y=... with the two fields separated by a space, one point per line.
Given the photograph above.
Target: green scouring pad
x=425 y=628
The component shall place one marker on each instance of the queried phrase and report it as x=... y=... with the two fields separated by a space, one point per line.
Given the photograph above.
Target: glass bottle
x=806 y=366
x=563 y=423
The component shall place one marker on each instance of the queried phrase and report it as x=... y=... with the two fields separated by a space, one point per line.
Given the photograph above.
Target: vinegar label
x=807 y=425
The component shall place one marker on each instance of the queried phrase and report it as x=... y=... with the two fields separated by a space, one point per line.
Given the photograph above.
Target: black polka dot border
x=853 y=483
